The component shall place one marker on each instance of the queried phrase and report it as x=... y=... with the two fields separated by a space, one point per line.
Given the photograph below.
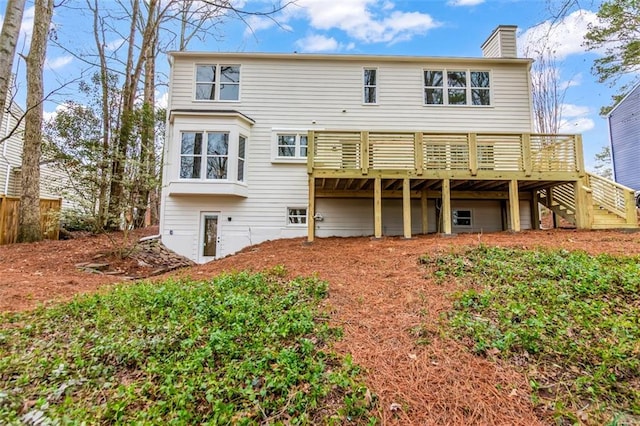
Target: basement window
x=296 y=216
x=462 y=217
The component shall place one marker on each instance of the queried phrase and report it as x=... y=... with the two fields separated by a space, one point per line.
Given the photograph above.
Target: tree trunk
x=29 y=229
x=8 y=41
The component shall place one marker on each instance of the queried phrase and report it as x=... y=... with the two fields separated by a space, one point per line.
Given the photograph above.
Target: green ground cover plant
x=572 y=320
x=237 y=349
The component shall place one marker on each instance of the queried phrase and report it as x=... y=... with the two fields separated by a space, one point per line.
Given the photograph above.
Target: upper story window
x=217 y=82
x=198 y=159
x=370 y=82
x=457 y=87
x=291 y=145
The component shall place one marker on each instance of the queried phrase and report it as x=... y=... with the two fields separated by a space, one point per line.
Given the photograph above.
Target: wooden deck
x=509 y=166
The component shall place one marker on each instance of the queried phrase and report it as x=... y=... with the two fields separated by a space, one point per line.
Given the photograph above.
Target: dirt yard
x=379 y=294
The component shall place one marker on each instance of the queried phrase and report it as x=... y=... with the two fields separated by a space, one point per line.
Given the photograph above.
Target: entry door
x=209 y=237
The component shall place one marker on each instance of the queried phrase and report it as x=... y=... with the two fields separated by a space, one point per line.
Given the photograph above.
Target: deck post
x=526 y=152
x=514 y=206
x=311 y=141
x=446 y=206
x=584 y=204
x=406 y=207
x=577 y=140
x=473 y=154
x=630 y=206
x=535 y=210
x=418 y=152
x=311 y=211
x=364 y=152
x=377 y=207
x=424 y=211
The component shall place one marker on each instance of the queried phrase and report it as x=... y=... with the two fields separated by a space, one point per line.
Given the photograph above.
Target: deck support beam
x=406 y=207
x=377 y=208
x=514 y=206
x=535 y=210
x=424 y=211
x=311 y=211
x=446 y=206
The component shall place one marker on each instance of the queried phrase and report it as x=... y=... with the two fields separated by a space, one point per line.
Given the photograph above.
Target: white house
x=264 y=146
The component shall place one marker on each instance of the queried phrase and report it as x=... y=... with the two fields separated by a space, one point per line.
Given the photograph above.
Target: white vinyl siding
x=332 y=97
x=292 y=97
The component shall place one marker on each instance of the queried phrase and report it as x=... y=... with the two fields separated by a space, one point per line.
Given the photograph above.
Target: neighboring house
x=624 y=135
x=265 y=146
x=51 y=180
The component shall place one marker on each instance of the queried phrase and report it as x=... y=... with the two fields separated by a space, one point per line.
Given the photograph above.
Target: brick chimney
x=501 y=43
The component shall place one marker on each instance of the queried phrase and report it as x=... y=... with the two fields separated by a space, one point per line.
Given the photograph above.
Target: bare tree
x=8 y=42
x=546 y=92
x=29 y=213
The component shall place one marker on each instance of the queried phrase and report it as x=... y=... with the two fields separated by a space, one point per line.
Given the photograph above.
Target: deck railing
x=431 y=151
x=612 y=196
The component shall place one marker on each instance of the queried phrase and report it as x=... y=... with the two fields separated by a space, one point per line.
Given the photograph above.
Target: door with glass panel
x=209 y=236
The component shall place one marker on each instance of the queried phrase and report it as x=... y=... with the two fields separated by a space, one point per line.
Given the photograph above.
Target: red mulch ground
x=384 y=300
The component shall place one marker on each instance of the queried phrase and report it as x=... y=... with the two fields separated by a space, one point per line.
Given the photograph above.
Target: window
x=216 y=153
x=460 y=87
x=296 y=216
x=462 y=218
x=218 y=82
x=291 y=145
x=370 y=83
x=242 y=142
x=191 y=155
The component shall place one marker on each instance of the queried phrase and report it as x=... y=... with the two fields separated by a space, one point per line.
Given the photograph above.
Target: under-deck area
x=545 y=169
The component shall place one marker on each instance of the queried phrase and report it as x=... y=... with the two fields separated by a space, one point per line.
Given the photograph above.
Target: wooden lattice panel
x=500 y=152
x=446 y=151
x=337 y=150
x=553 y=153
x=392 y=151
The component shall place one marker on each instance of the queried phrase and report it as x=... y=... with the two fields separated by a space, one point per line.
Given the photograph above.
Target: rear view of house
x=624 y=133
x=266 y=146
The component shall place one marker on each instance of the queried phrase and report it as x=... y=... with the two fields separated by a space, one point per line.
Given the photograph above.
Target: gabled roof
x=636 y=87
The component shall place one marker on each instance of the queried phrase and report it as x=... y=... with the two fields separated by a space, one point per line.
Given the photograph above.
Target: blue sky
x=400 y=27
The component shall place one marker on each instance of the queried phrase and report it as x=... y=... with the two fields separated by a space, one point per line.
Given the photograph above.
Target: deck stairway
x=612 y=205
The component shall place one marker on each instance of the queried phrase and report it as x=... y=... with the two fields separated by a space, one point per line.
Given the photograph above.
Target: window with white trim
x=457 y=87
x=462 y=217
x=217 y=82
x=370 y=82
x=242 y=146
x=215 y=153
x=291 y=145
x=296 y=216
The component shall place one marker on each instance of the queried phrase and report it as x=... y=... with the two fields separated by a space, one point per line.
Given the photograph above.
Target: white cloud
x=575 y=81
x=162 y=100
x=368 y=21
x=571 y=110
x=576 y=125
x=464 y=2
x=57 y=63
x=564 y=38
x=114 y=44
x=320 y=43
x=575 y=119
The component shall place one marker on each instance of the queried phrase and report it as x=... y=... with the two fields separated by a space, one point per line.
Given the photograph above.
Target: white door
x=209 y=236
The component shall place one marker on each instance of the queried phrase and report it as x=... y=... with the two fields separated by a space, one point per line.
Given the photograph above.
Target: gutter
x=4 y=154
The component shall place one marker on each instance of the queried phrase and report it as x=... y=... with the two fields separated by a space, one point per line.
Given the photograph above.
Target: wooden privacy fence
x=49 y=218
